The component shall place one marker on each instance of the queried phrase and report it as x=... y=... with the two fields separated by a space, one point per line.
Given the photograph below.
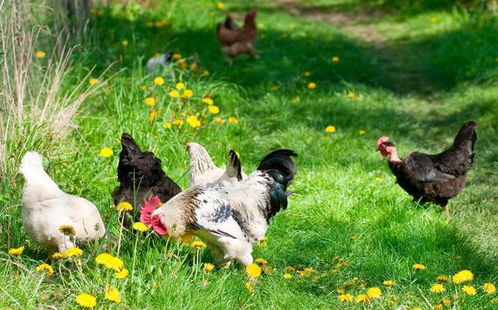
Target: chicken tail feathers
x=234 y=168
x=230 y=24
x=466 y=137
x=281 y=161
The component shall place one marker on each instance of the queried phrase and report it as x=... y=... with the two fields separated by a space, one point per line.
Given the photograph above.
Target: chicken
x=203 y=171
x=157 y=63
x=230 y=219
x=140 y=175
x=47 y=208
x=433 y=178
x=235 y=41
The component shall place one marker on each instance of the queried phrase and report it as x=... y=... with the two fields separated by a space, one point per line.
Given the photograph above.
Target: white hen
x=47 y=207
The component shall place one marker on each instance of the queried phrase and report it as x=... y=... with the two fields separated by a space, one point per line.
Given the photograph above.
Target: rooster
x=47 y=210
x=433 y=178
x=203 y=171
x=231 y=219
x=234 y=40
x=140 y=175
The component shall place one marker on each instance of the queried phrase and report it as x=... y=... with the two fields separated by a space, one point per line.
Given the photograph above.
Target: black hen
x=140 y=176
x=434 y=178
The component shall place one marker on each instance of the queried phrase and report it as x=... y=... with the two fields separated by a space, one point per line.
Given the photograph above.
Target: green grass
x=343 y=187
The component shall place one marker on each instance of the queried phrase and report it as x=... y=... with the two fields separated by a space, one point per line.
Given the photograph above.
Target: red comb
x=146 y=215
x=382 y=140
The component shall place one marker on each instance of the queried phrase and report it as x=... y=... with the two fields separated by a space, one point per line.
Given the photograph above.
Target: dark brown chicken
x=140 y=176
x=235 y=41
x=433 y=178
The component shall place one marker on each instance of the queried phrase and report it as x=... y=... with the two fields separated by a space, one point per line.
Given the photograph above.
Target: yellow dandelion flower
x=362 y=132
x=106 y=152
x=187 y=94
x=112 y=294
x=362 y=298
x=442 y=278
x=40 y=54
x=86 y=300
x=123 y=273
x=177 y=56
x=433 y=20
x=198 y=245
x=307 y=73
x=167 y=125
x=437 y=288
x=58 y=255
x=45 y=267
x=74 y=251
x=124 y=206
x=253 y=270
x=489 y=288
x=388 y=283
x=150 y=101
x=374 y=292
x=152 y=116
x=330 y=129
x=335 y=59
x=193 y=121
x=260 y=260
x=109 y=261
x=178 y=122
x=290 y=269
x=67 y=230
x=311 y=85
x=206 y=73
x=287 y=276
x=180 y=86
x=447 y=302
x=437 y=307
x=159 y=81
x=462 y=276
x=174 y=94
x=213 y=109
x=208 y=267
x=93 y=81
x=207 y=100
x=182 y=64
x=233 y=120
x=220 y=5
x=345 y=297
x=469 y=290
x=340 y=291
x=139 y=226
x=16 y=251
x=219 y=120
x=249 y=287
x=418 y=267
x=124 y=42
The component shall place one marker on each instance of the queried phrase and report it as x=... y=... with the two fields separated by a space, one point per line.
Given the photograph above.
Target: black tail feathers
x=466 y=137
x=280 y=160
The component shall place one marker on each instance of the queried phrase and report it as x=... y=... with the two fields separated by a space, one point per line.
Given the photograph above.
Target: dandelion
x=177 y=56
x=198 y=245
x=152 y=116
x=45 y=267
x=214 y=109
x=86 y=300
x=469 y=290
x=182 y=64
x=174 y=94
x=167 y=125
x=335 y=59
x=306 y=73
x=442 y=278
x=67 y=230
x=123 y=273
x=124 y=206
x=208 y=267
x=437 y=307
x=433 y=20
x=374 y=292
x=207 y=100
x=311 y=85
x=93 y=81
x=249 y=287
x=112 y=294
x=437 y=288
x=388 y=283
x=16 y=251
x=150 y=101
x=106 y=152
x=219 y=120
x=489 y=288
x=362 y=132
x=253 y=270
x=193 y=121
x=290 y=269
x=287 y=276
x=330 y=129
x=109 y=261
x=233 y=120
x=462 y=276
x=178 y=122
x=345 y=297
x=362 y=298
x=180 y=86
x=260 y=260
x=340 y=291
x=206 y=73
x=58 y=255
x=124 y=42
x=446 y=301
x=159 y=81
x=220 y=5
x=74 y=251
x=418 y=266
x=139 y=226
x=40 y=54
x=187 y=94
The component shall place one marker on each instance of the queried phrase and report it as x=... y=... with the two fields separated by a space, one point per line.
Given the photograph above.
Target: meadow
x=332 y=76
